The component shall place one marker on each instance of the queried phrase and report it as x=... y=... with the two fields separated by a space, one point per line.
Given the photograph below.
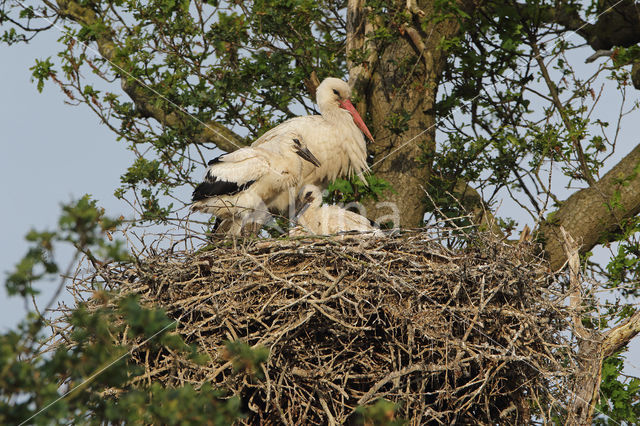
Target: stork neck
x=334 y=114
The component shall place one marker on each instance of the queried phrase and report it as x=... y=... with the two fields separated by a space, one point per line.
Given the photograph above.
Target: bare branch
x=473 y=203
x=575 y=294
x=587 y=381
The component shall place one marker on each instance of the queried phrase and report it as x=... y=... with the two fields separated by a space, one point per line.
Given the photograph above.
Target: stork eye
x=297 y=142
x=336 y=92
x=308 y=194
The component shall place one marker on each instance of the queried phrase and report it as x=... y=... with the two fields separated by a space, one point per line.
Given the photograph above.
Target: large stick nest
x=454 y=336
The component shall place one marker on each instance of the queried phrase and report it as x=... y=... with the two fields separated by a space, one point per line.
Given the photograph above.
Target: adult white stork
x=314 y=218
x=335 y=137
x=239 y=185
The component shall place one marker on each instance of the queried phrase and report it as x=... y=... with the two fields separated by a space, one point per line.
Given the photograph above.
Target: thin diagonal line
x=564 y=36
x=97 y=373
x=142 y=83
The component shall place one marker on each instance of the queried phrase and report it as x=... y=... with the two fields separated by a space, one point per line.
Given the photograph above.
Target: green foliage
x=90 y=378
x=623 y=269
x=499 y=141
x=175 y=406
x=154 y=182
x=624 y=56
x=27 y=270
x=11 y=36
x=380 y=413
x=347 y=191
x=397 y=122
x=27 y=12
x=619 y=394
x=82 y=225
x=42 y=71
x=247 y=359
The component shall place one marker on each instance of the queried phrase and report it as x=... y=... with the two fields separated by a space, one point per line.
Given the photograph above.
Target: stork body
x=335 y=137
x=238 y=186
x=314 y=218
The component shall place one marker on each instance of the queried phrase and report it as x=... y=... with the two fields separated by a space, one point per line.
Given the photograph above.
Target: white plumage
x=314 y=218
x=335 y=138
x=238 y=186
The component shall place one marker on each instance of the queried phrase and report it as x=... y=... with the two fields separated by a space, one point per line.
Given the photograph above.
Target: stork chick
x=313 y=218
x=239 y=185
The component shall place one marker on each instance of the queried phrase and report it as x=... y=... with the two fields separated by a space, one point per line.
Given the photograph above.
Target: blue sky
x=51 y=153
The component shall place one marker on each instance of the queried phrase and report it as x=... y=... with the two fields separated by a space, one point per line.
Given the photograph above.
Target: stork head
x=300 y=148
x=332 y=93
x=309 y=196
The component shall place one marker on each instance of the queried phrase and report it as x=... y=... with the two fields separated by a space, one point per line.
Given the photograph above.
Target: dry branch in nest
x=465 y=336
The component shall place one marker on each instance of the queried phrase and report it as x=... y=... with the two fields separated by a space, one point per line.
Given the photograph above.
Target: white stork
x=313 y=218
x=335 y=137
x=239 y=185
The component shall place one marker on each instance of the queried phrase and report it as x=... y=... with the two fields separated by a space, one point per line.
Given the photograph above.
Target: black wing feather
x=212 y=188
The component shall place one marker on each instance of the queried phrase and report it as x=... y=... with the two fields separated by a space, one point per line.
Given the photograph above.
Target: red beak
x=346 y=104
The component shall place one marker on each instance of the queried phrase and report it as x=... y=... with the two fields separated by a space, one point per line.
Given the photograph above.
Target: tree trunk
x=399 y=158
x=400 y=84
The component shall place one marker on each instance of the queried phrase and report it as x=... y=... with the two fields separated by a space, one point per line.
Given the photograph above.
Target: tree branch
x=615 y=26
x=211 y=131
x=575 y=138
x=571 y=250
x=592 y=213
x=599 y=54
x=619 y=336
x=472 y=202
x=587 y=379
